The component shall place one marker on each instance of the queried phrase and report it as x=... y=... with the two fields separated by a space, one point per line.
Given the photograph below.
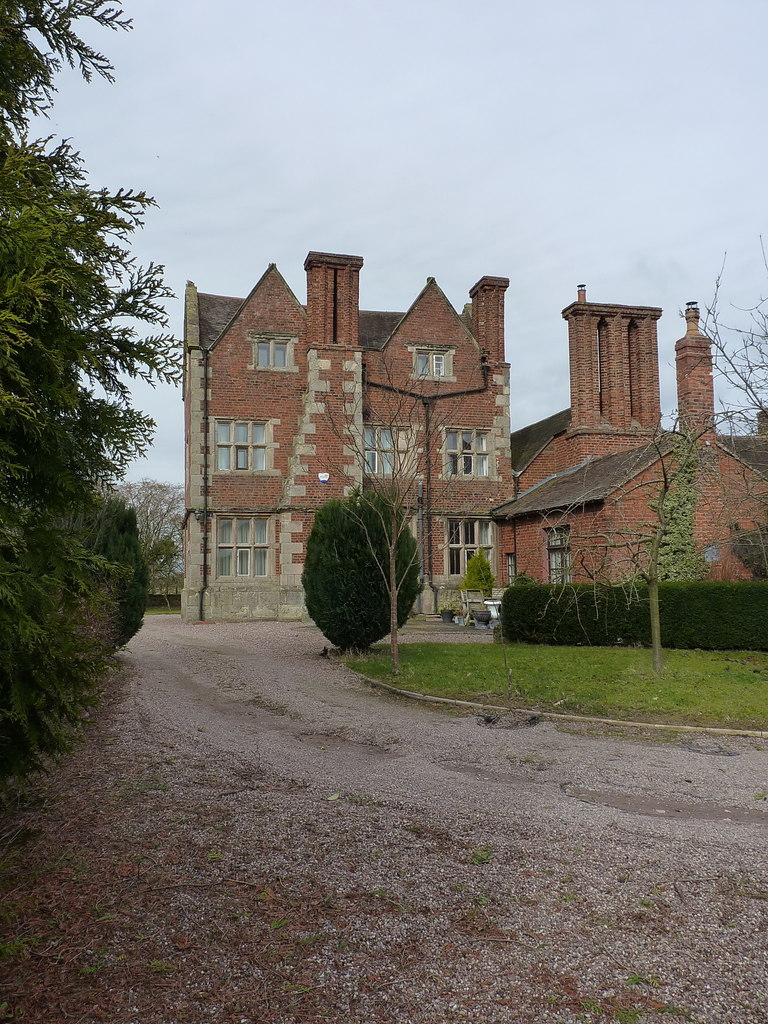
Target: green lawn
x=716 y=688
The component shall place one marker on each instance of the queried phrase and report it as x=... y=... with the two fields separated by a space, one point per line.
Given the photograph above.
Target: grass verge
x=713 y=688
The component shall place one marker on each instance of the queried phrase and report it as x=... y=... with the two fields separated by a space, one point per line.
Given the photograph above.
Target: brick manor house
x=288 y=405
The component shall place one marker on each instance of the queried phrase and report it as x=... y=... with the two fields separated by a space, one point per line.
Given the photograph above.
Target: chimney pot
x=581 y=293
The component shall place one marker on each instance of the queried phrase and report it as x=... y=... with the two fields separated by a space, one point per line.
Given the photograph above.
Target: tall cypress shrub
x=116 y=539
x=344 y=578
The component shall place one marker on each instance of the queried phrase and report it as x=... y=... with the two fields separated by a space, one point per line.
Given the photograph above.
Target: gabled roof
x=592 y=480
x=527 y=442
x=433 y=286
x=752 y=449
x=216 y=311
x=376 y=327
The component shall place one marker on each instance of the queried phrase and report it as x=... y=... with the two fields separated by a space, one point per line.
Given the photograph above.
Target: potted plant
x=447 y=612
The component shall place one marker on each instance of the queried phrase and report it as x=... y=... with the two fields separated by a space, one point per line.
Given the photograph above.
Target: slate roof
x=752 y=449
x=216 y=311
x=592 y=480
x=528 y=441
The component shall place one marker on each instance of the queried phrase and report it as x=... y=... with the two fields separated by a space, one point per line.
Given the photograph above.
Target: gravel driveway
x=521 y=873
x=306 y=848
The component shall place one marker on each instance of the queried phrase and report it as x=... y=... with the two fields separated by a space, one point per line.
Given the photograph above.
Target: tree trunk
x=653 y=595
x=394 y=651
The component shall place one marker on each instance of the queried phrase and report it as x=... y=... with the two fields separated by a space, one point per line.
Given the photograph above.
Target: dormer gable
x=270 y=306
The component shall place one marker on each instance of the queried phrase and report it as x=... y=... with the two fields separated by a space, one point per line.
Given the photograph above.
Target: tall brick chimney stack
x=333 y=304
x=695 y=388
x=488 y=315
x=614 y=367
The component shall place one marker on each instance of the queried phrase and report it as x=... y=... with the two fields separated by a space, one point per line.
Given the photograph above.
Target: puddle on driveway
x=669 y=809
x=337 y=744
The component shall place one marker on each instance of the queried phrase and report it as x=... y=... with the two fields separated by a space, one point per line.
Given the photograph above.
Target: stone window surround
x=290 y=340
x=269 y=447
x=459 y=453
x=254 y=545
x=432 y=350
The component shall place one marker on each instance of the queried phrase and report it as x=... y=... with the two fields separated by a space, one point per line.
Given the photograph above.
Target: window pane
x=454 y=531
x=260 y=531
x=484 y=533
x=453 y=464
x=422 y=363
x=439 y=366
x=454 y=561
x=260 y=562
x=243 y=531
x=259 y=458
x=387 y=463
x=469 y=531
x=241 y=433
x=481 y=465
x=481 y=443
x=451 y=440
x=225 y=531
x=241 y=458
x=371 y=462
x=222 y=432
x=467 y=465
x=243 y=561
x=370 y=437
x=225 y=562
x=262 y=353
x=280 y=353
x=259 y=433
x=466 y=441
x=223 y=458
x=385 y=440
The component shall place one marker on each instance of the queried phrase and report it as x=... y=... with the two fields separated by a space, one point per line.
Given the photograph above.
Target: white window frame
x=467 y=453
x=380 y=452
x=559 y=562
x=243 y=547
x=433 y=363
x=465 y=537
x=242 y=446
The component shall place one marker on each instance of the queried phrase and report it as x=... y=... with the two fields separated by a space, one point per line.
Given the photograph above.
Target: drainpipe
x=204 y=587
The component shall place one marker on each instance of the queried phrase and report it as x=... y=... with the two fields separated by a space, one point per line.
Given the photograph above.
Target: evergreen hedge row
x=710 y=616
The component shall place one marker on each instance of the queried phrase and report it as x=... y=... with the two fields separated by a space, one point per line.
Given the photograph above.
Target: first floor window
x=379 y=451
x=242 y=547
x=241 y=445
x=559 y=554
x=466 y=453
x=465 y=538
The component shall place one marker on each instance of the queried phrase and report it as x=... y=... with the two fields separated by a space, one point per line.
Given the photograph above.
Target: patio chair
x=472 y=601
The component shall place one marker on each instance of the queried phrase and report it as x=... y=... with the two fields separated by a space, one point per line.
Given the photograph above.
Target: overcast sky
x=618 y=144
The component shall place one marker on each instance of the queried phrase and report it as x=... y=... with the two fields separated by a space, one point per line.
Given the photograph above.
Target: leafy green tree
x=479 y=575
x=116 y=539
x=346 y=570
x=72 y=300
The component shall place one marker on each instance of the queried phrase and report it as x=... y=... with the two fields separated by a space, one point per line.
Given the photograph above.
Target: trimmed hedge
x=710 y=616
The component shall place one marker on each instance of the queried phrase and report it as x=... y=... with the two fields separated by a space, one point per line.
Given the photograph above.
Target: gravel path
x=312 y=850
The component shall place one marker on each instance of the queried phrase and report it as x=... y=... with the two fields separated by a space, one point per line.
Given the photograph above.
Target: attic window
x=273 y=352
x=431 y=363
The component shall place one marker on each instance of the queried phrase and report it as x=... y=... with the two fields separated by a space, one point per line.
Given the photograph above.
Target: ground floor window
x=559 y=554
x=242 y=547
x=465 y=538
x=511 y=566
